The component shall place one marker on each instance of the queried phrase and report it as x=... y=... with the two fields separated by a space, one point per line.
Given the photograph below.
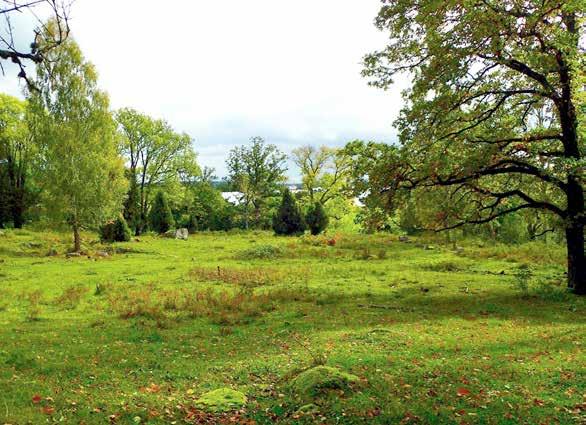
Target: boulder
x=317 y=380
x=102 y=254
x=73 y=254
x=182 y=234
x=403 y=239
x=221 y=400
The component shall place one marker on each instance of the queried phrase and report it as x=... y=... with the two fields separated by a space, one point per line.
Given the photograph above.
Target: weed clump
x=71 y=297
x=138 y=303
x=241 y=277
x=33 y=311
x=220 y=307
x=262 y=252
x=445 y=266
x=523 y=276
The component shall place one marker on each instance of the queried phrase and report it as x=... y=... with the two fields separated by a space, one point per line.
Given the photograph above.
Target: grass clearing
x=433 y=335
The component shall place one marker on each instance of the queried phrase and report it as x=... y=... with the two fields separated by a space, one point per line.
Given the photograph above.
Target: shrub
x=288 y=219
x=34 y=309
x=317 y=220
x=192 y=224
x=261 y=252
x=71 y=297
x=160 y=217
x=523 y=276
x=115 y=231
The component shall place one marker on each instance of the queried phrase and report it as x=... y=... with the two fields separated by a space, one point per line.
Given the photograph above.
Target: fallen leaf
x=48 y=410
x=462 y=392
x=37 y=399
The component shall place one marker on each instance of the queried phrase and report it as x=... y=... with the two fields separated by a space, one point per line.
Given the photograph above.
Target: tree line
x=491 y=138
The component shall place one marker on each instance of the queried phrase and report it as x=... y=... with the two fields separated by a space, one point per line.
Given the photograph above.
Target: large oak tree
x=496 y=107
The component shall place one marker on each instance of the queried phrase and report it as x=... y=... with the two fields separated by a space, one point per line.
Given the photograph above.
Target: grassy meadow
x=435 y=335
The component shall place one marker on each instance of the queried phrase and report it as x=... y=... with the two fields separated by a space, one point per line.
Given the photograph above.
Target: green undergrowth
x=435 y=334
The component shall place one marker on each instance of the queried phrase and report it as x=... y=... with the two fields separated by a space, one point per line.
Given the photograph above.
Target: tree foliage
x=256 y=170
x=115 y=231
x=160 y=217
x=209 y=209
x=495 y=108
x=324 y=172
x=156 y=156
x=82 y=174
x=17 y=153
x=316 y=218
x=288 y=219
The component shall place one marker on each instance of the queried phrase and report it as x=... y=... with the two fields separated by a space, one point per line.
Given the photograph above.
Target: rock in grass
x=169 y=234
x=181 y=234
x=317 y=380
x=221 y=400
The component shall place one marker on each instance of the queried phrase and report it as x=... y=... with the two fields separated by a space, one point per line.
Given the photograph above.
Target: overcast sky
x=226 y=71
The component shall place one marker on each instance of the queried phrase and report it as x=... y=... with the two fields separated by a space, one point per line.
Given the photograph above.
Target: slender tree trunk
x=246 y=216
x=257 y=215
x=76 y=237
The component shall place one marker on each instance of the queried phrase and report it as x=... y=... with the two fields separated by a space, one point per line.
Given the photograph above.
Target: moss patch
x=221 y=400
x=317 y=380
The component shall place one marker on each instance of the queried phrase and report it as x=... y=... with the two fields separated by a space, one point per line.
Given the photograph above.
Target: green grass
x=435 y=337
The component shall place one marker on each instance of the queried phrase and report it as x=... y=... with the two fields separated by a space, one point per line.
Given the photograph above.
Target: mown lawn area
x=435 y=336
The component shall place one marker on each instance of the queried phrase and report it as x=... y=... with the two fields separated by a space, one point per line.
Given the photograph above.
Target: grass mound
x=221 y=400
x=317 y=380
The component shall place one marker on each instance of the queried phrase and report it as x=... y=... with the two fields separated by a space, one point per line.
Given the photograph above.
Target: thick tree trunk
x=576 y=259
x=76 y=238
x=575 y=237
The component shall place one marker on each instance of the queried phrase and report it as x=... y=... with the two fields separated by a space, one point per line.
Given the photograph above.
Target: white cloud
x=226 y=71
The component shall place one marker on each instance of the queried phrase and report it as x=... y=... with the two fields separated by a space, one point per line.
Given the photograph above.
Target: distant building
x=235 y=198
x=294 y=188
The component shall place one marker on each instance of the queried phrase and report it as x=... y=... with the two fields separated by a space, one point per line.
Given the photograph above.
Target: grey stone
x=182 y=234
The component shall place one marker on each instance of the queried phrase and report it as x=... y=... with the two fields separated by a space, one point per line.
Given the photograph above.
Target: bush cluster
x=115 y=231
